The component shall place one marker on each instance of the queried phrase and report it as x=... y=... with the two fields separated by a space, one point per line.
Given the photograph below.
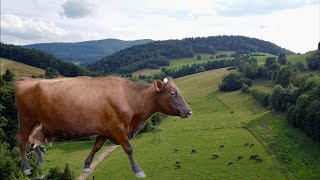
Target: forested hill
x=87 y=51
x=158 y=53
x=41 y=60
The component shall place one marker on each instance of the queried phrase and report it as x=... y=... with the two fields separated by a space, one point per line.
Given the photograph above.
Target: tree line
x=158 y=53
x=43 y=60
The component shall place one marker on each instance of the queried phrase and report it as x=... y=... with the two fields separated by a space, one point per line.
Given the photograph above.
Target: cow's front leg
x=39 y=156
x=100 y=140
x=123 y=140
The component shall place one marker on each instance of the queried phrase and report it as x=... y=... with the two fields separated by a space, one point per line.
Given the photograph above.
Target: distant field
x=19 y=69
x=262 y=59
x=146 y=72
x=300 y=57
x=178 y=63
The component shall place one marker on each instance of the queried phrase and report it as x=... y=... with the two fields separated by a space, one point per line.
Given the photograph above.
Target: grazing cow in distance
x=111 y=108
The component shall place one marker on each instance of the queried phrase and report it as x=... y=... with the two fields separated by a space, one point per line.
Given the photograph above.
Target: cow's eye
x=173 y=93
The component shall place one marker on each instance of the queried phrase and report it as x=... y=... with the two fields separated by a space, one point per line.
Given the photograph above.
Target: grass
x=146 y=72
x=263 y=85
x=300 y=58
x=219 y=118
x=19 y=69
x=74 y=153
x=178 y=63
x=299 y=153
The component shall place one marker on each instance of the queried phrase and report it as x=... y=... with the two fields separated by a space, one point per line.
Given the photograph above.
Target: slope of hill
x=300 y=57
x=158 y=53
x=218 y=118
x=86 y=51
x=19 y=69
x=41 y=60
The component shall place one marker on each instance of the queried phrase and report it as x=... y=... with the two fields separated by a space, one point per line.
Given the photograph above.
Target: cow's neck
x=145 y=106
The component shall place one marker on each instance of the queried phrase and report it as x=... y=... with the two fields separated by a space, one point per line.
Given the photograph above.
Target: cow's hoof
x=87 y=170
x=27 y=172
x=140 y=174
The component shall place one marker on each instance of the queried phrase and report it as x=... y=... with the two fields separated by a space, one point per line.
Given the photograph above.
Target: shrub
x=275 y=97
x=57 y=174
x=10 y=163
x=245 y=88
x=261 y=96
x=234 y=81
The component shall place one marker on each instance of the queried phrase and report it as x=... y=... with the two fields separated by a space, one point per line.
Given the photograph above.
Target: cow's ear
x=159 y=85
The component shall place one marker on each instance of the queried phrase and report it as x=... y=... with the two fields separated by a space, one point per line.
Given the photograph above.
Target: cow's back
x=67 y=105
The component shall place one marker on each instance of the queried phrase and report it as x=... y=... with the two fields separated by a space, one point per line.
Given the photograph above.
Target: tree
x=269 y=62
x=272 y=64
x=250 y=70
x=285 y=76
x=234 y=81
x=282 y=59
x=8 y=76
x=51 y=73
x=299 y=66
x=200 y=69
x=199 y=57
x=275 y=97
x=313 y=62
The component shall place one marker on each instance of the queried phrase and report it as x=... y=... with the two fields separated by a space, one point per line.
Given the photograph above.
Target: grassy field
x=146 y=72
x=297 y=152
x=178 y=63
x=300 y=57
x=231 y=119
x=263 y=85
x=19 y=69
x=74 y=152
x=219 y=118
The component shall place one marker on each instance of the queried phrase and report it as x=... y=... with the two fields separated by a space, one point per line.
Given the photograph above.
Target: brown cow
x=112 y=108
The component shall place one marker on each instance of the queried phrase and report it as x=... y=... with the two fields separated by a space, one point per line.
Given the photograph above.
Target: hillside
x=158 y=53
x=41 y=59
x=300 y=57
x=86 y=51
x=218 y=118
x=19 y=69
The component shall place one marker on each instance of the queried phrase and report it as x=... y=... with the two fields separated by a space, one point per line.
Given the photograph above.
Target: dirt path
x=98 y=160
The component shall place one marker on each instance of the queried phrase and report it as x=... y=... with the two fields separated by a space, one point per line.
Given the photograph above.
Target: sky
x=292 y=24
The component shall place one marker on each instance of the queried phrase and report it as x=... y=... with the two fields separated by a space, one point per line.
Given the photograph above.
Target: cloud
x=28 y=29
x=257 y=7
x=17 y=30
x=77 y=8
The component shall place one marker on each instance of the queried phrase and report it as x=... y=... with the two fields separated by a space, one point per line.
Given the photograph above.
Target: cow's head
x=170 y=99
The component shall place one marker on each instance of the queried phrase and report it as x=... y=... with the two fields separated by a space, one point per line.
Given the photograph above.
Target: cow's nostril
x=189 y=113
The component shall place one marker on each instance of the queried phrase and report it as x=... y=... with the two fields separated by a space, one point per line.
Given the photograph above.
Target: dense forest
x=86 y=51
x=42 y=60
x=158 y=53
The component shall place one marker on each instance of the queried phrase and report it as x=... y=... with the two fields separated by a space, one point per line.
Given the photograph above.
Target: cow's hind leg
x=22 y=137
x=123 y=140
x=96 y=147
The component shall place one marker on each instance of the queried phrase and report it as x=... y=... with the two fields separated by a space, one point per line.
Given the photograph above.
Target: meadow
x=178 y=63
x=19 y=69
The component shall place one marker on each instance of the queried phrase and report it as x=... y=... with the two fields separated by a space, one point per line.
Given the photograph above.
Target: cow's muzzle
x=186 y=114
